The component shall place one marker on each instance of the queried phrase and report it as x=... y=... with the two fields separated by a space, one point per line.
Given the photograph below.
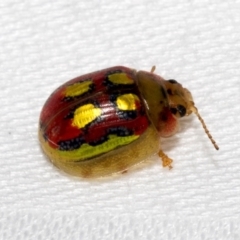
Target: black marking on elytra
x=127 y=115
x=70 y=114
x=172 y=81
x=95 y=122
x=120 y=131
x=98 y=141
x=91 y=89
x=113 y=97
x=72 y=144
x=182 y=110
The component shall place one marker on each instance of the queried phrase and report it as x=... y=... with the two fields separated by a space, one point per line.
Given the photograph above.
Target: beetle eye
x=182 y=110
x=179 y=109
x=172 y=81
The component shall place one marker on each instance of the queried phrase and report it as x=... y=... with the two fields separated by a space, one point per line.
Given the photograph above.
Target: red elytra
x=107 y=121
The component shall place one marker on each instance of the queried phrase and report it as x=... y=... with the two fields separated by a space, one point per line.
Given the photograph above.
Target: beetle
x=109 y=120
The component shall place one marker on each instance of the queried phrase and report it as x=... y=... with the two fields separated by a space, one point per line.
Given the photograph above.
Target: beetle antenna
x=153 y=69
x=195 y=110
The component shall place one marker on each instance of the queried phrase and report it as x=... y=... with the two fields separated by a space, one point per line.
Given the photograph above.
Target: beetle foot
x=166 y=161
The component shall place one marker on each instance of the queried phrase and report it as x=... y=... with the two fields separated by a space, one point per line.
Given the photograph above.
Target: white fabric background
x=45 y=43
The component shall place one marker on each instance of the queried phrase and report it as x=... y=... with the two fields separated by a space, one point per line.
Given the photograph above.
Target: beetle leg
x=166 y=161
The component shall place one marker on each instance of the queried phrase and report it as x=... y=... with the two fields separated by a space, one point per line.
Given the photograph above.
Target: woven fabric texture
x=45 y=43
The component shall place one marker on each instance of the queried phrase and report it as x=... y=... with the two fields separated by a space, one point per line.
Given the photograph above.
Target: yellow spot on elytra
x=85 y=114
x=127 y=102
x=77 y=89
x=120 y=78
